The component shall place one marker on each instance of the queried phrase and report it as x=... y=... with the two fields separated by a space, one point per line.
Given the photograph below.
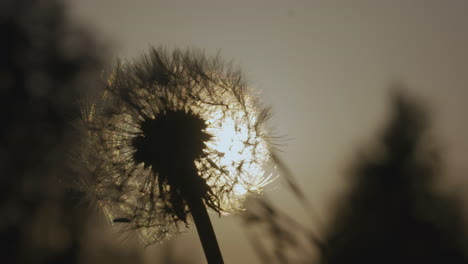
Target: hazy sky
x=324 y=67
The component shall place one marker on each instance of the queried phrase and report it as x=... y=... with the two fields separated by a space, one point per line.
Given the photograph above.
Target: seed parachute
x=170 y=126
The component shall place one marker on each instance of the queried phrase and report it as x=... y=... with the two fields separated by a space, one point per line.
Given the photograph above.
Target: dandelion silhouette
x=172 y=134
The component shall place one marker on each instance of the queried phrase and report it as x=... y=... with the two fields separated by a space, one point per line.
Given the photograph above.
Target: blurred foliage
x=46 y=63
x=391 y=213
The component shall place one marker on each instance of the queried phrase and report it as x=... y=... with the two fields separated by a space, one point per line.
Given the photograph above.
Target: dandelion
x=174 y=134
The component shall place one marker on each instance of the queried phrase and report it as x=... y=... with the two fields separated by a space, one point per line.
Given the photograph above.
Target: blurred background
x=329 y=69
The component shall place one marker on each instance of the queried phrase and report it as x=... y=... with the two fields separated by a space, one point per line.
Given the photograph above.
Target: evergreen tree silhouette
x=392 y=212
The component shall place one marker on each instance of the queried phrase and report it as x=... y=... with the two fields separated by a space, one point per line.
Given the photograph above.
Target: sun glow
x=241 y=153
x=231 y=164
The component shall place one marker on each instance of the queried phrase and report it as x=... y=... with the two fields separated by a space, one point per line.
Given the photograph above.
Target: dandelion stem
x=205 y=230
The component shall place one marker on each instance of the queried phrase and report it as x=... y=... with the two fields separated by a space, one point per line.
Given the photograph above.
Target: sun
x=238 y=150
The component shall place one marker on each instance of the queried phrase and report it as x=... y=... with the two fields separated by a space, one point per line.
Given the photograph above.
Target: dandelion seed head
x=162 y=115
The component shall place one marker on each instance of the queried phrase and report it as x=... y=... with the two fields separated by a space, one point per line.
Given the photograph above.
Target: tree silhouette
x=392 y=212
x=45 y=64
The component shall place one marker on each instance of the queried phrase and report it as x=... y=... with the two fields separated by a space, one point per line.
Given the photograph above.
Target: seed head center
x=170 y=140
